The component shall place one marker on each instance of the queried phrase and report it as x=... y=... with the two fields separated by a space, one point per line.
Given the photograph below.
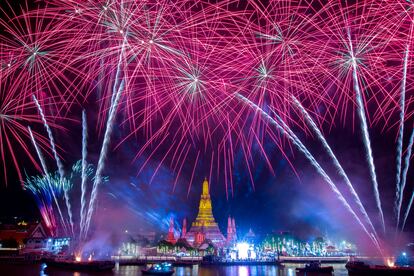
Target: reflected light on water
x=42 y=270
x=195 y=270
x=243 y=271
x=130 y=270
x=186 y=271
x=390 y=262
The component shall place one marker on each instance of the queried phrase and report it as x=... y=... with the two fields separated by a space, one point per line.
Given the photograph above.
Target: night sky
x=301 y=203
x=295 y=198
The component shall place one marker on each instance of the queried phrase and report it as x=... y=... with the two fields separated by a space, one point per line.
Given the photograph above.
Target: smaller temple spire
x=231 y=230
x=170 y=235
x=184 y=230
x=233 y=226
x=229 y=226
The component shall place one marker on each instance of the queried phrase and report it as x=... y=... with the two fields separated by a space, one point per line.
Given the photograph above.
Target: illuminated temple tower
x=170 y=236
x=231 y=231
x=205 y=226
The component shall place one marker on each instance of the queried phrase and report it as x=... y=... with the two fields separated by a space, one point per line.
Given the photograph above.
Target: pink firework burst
x=16 y=114
x=34 y=48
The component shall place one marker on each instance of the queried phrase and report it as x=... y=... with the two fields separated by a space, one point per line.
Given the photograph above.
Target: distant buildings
x=16 y=235
x=286 y=244
x=29 y=238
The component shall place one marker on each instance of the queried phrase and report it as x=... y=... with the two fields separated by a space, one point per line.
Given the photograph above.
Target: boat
x=90 y=265
x=315 y=267
x=159 y=269
x=361 y=268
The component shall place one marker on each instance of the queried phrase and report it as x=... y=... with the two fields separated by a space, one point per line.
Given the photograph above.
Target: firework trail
x=400 y=185
x=181 y=60
x=336 y=163
x=38 y=186
x=43 y=163
x=15 y=116
x=365 y=134
x=407 y=212
x=52 y=140
x=84 y=170
x=404 y=178
x=58 y=161
x=104 y=149
x=284 y=129
x=42 y=188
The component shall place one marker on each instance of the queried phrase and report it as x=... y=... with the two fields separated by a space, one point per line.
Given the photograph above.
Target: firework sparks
x=188 y=77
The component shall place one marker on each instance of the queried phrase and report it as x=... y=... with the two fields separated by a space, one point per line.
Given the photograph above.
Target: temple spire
x=205 y=225
x=205 y=187
x=170 y=235
x=231 y=230
x=184 y=230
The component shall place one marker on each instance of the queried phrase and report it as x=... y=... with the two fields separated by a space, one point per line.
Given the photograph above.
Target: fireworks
x=199 y=82
x=15 y=116
x=50 y=191
x=45 y=189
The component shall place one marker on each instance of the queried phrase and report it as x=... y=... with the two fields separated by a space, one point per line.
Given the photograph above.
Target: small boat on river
x=159 y=269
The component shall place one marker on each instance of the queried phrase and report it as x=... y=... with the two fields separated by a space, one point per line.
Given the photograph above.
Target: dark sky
x=300 y=203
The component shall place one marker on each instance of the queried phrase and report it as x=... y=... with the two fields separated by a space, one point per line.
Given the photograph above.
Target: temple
x=170 y=236
x=205 y=227
x=231 y=231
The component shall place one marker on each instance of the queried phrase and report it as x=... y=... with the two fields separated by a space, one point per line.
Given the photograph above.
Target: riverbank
x=289 y=269
x=187 y=261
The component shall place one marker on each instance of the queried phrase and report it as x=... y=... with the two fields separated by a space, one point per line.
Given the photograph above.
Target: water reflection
x=43 y=270
x=243 y=271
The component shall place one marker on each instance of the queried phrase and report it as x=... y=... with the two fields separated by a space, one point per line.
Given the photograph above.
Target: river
x=289 y=270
